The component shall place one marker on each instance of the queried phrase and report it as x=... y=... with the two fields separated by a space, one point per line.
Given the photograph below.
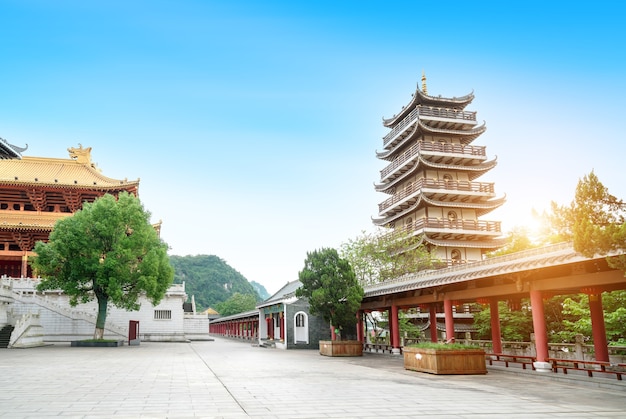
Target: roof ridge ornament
x=424 y=88
x=80 y=154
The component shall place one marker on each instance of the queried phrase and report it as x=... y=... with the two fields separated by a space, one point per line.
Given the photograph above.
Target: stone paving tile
x=228 y=379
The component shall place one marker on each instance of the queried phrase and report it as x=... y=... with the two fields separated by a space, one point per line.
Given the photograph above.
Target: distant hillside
x=210 y=280
x=260 y=289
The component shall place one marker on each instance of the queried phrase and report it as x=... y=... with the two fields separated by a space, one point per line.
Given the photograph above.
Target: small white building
x=35 y=317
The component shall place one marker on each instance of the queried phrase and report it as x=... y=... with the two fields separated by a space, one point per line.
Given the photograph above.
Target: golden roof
x=75 y=172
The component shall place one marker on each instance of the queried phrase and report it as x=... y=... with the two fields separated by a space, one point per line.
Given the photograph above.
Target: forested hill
x=211 y=280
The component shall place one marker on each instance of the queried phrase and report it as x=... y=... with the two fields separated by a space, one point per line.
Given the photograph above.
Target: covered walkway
x=535 y=274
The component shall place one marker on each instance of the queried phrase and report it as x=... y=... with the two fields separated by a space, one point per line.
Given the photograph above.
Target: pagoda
x=35 y=192
x=431 y=178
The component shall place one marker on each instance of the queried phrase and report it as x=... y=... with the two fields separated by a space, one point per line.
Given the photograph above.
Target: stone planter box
x=97 y=344
x=341 y=348
x=445 y=361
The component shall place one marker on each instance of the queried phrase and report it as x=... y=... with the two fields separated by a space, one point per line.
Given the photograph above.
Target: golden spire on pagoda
x=424 y=89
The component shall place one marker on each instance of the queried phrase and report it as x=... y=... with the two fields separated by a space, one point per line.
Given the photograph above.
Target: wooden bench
x=516 y=359
x=588 y=366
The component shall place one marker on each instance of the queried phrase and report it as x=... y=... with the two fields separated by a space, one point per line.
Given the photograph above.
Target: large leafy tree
x=237 y=303
x=331 y=287
x=108 y=251
x=595 y=221
x=377 y=257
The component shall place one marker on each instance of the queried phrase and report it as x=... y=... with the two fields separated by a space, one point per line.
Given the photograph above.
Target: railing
x=438 y=147
x=445 y=185
x=421 y=224
x=427 y=111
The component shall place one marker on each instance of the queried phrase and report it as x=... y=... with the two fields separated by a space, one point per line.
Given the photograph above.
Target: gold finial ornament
x=80 y=154
x=424 y=89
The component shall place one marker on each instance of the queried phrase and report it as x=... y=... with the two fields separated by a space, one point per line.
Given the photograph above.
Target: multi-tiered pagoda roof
x=432 y=174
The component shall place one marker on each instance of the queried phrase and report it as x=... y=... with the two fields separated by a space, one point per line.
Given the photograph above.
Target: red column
x=359 y=326
x=539 y=325
x=447 y=309
x=597 y=327
x=333 y=335
x=496 y=337
x=433 y=323
x=395 y=329
x=282 y=326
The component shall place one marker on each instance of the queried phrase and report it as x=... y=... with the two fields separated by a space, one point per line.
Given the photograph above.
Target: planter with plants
x=333 y=292
x=440 y=358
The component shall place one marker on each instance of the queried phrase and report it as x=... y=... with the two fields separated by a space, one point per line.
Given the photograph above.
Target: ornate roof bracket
x=37 y=198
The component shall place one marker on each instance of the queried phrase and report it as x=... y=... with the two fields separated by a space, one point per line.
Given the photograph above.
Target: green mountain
x=260 y=289
x=210 y=279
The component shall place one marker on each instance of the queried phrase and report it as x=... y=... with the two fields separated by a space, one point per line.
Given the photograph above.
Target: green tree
x=377 y=257
x=108 y=251
x=237 y=303
x=594 y=221
x=331 y=287
x=517 y=240
x=515 y=325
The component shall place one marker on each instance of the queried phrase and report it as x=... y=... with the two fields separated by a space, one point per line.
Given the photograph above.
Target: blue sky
x=253 y=125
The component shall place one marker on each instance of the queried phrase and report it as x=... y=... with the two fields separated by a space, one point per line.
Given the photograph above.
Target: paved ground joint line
x=219 y=379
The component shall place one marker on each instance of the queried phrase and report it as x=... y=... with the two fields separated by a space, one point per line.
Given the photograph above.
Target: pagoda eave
x=477 y=244
x=420 y=98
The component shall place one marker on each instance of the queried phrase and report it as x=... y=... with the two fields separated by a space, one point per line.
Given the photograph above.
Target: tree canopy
x=331 y=287
x=237 y=303
x=109 y=251
x=377 y=257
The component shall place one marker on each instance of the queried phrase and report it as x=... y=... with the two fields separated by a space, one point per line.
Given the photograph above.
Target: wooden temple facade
x=432 y=178
x=35 y=192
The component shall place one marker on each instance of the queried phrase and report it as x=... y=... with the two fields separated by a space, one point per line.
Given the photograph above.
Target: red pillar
x=395 y=329
x=359 y=326
x=282 y=326
x=433 y=323
x=598 y=328
x=539 y=325
x=496 y=336
x=333 y=335
x=449 y=315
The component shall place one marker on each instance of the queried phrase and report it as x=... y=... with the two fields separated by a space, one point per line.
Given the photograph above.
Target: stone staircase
x=5 y=336
x=267 y=344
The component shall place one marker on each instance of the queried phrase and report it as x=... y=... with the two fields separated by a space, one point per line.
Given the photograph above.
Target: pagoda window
x=4 y=206
x=16 y=207
x=408 y=225
x=455 y=255
x=29 y=207
x=452 y=216
x=447 y=178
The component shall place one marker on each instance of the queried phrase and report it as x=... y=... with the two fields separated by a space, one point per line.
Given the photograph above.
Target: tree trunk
x=98 y=334
x=102 y=317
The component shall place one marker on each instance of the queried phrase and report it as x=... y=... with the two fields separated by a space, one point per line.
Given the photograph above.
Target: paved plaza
x=230 y=379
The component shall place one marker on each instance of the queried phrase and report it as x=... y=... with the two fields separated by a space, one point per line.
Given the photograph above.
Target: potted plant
x=445 y=358
x=330 y=286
